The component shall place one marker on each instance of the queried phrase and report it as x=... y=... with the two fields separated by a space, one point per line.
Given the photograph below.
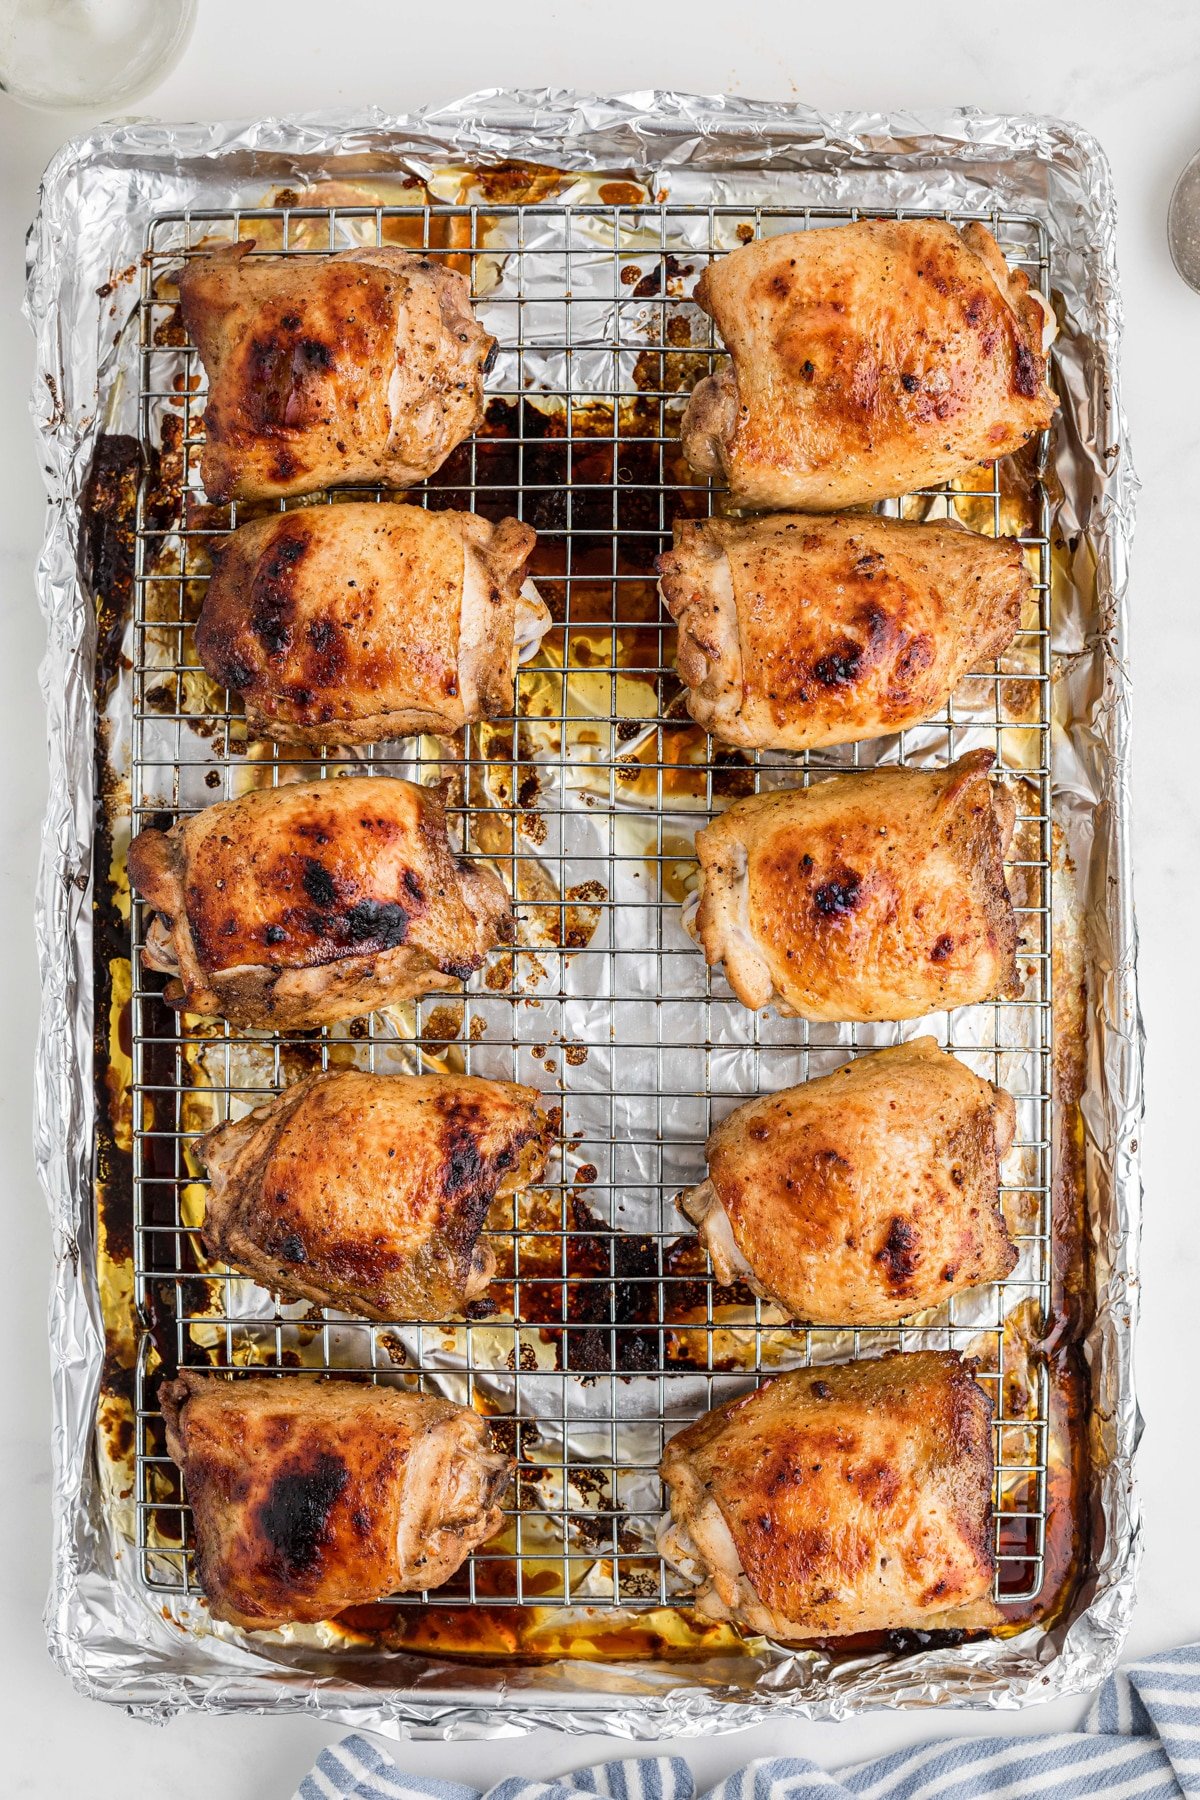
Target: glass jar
x=89 y=53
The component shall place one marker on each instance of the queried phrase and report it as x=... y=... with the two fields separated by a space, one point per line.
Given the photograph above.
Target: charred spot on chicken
x=311 y=902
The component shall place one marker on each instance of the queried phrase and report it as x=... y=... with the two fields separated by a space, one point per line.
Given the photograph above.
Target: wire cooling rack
x=610 y=1332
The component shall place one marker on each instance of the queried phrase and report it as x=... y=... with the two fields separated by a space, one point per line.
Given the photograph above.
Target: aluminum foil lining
x=97 y=198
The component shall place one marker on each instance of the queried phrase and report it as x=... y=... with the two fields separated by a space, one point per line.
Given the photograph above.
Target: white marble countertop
x=1131 y=75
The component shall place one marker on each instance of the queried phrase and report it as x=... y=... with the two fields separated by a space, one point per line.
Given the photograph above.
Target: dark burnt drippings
x=107 y=553
x=633 y=1303
x=108 y=545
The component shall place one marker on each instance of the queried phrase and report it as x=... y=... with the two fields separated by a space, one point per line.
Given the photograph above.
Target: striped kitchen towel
x=1141 y=1741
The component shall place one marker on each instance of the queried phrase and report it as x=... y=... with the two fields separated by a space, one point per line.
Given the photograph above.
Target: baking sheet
x=96 y=204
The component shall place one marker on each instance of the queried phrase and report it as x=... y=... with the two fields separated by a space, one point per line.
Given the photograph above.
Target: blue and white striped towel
x=1141 y=1741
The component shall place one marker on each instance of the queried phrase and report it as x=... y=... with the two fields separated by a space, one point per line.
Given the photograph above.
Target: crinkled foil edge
x=105 y=1633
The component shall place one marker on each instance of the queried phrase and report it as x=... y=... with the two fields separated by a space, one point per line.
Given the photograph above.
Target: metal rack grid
x=617 y=1335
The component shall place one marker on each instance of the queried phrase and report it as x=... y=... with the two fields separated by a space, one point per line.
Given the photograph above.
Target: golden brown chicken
x=348 y=624
x=863 y=1196
x=302 y=904
x=311 y=1496
x=871 y=895
x=363 y=366
x=865 y=361
x=796 y=632
x=369 y=1192
x=841 y=1499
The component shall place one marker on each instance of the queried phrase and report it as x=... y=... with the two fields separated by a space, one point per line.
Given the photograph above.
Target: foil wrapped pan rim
x=97 y=184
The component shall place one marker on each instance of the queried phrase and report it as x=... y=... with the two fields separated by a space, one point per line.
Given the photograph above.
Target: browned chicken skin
x=311 y=1496
x=368 y=1192
x=865 y=1195
x=363 y=366
x=847 y=1498
x=796 y=632
x=302 y=904
x=352 y=623
x=867 y=360
x=872 y=895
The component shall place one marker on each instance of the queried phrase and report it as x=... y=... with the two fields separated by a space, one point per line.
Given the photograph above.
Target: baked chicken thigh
x=796 y=632
x=299 y=905
x=363 y=366
x=368 y=1192
x=311 y=1496
x=865 y=1195
x=865 y=361
x=348 y=624
x=872 y=895
x=841 y=1499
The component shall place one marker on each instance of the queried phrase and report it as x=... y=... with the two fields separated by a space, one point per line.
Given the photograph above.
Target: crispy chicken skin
x=363 y=366
x=841 y=1499
x=865 y=1195
x=348 y=624
x=368 y=1192
x=872 y=895
x=303 y=904
x=866 y=360
x=796 y=632
x=310 y=1496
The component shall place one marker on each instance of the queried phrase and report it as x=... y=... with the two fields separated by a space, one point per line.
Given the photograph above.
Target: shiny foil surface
x=112 y=1635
